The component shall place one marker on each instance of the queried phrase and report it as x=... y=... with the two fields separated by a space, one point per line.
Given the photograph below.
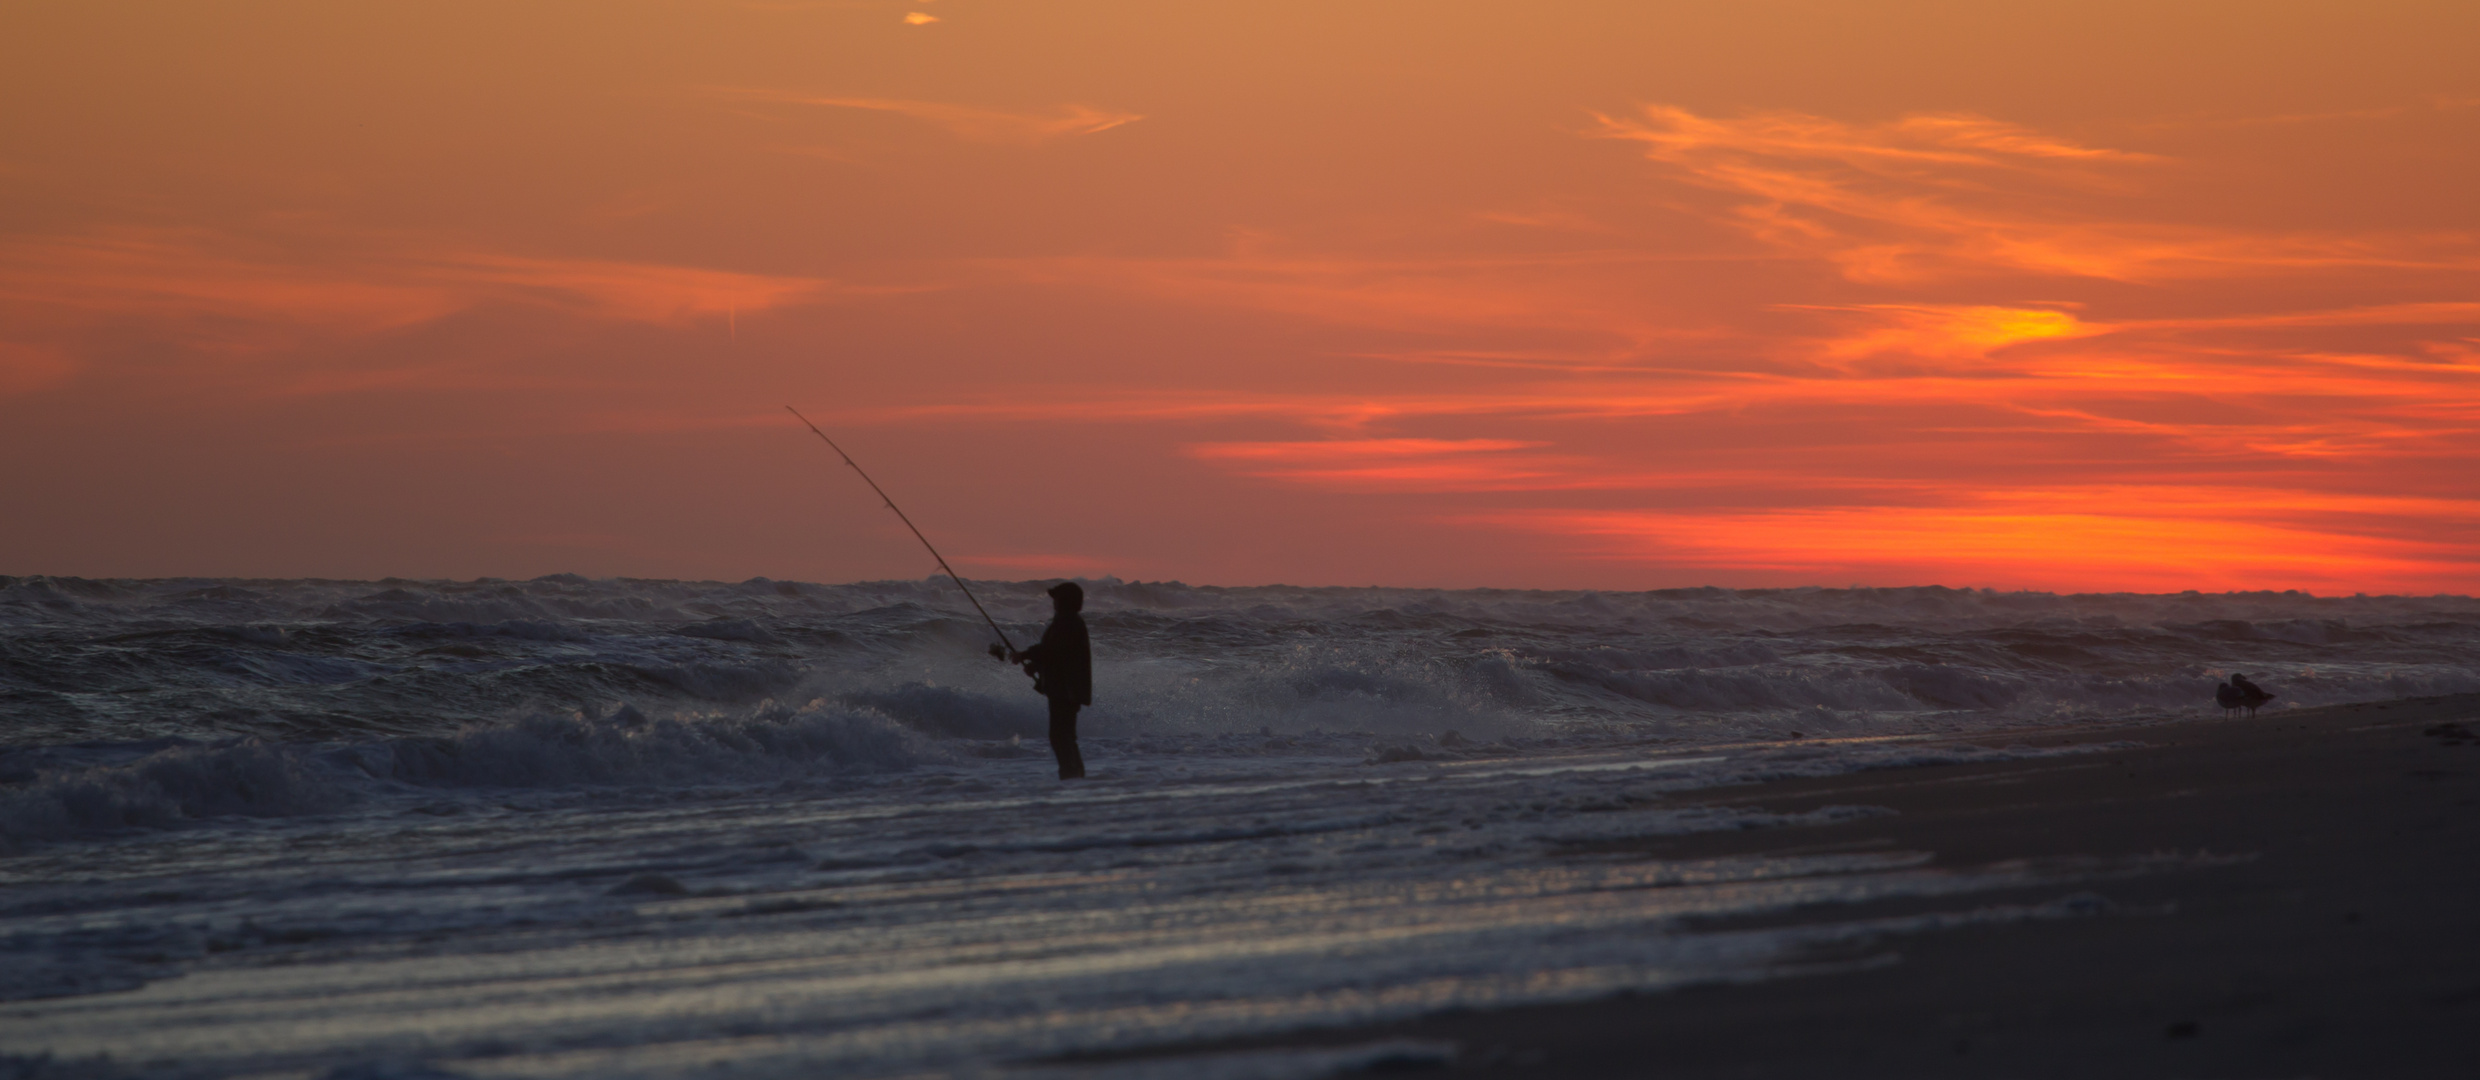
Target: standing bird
x=2230 y=698
x=2251 y=696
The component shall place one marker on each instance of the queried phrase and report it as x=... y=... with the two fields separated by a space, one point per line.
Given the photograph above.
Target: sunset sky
x=2078 y=296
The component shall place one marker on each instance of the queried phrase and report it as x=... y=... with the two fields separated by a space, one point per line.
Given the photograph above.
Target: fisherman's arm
x=1029 y=655
x=1035 y=653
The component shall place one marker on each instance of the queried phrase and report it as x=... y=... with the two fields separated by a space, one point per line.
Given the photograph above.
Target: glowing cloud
x=1951 y=331
x=2140 y=538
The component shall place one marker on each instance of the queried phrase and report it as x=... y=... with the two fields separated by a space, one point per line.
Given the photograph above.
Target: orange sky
x=2074 y=296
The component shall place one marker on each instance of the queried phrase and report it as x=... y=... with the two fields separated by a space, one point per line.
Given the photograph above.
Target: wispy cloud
x=628 y=291
x=1589 y=298
x=224 y=295
x=2434 y=313
x=1910 y=332
x=1915 y=146
x=1394 y=464
x=1928 y=197
x=963 y=121
x=191 y=274
x=2206 y=380
x=375 y=286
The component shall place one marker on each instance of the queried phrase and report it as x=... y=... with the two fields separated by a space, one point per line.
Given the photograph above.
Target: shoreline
x=2321 y=918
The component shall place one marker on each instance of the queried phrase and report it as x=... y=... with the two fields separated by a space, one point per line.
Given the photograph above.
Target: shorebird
x=2250 y=694
x=2230 y=698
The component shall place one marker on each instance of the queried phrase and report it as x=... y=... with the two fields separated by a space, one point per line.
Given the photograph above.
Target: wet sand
x=2323 y=920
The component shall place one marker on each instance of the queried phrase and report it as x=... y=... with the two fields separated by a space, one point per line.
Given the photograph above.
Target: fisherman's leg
x=1076 y=754
x=1063 y=739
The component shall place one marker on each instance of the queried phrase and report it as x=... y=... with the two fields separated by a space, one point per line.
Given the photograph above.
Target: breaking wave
x=147 y=704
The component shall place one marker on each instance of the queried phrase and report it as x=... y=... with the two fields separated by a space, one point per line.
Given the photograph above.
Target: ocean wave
x=167 y=789
x=184 y=784
x=946 y=711
x=292 y=661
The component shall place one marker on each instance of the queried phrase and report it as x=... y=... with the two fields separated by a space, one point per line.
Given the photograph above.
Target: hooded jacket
x=1062 y=663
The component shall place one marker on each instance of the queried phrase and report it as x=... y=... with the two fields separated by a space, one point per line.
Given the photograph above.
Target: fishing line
x=908 y=523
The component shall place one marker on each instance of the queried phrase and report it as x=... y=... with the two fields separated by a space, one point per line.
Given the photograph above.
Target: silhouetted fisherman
x=2251 y=696
x=1062 y=666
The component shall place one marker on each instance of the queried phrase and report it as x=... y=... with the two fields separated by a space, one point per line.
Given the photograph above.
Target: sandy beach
x=2318 y=920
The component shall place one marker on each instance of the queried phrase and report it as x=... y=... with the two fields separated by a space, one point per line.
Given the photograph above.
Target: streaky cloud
x=964 y=121
x=1943 y=196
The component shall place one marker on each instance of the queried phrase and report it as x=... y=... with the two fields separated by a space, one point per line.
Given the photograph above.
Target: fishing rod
x=908 y=523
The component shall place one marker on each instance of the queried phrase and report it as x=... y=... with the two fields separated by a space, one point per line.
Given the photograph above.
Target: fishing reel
x=998 y=651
